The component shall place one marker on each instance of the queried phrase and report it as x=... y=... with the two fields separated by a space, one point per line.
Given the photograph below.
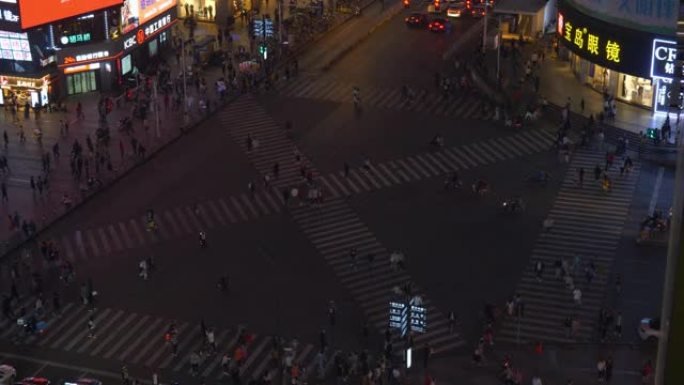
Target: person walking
x=3 y=189
x=601 y=370
x=91 y=326
x=597 y=172
x=452 y=321
x=580 y=173
x=577 y=296
x=352 y=257
x=323 y=340
x=609 y=369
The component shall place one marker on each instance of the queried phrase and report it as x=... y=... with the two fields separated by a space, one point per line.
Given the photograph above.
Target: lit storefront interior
x=199 y=9
x=34 y=91
x=624 y=87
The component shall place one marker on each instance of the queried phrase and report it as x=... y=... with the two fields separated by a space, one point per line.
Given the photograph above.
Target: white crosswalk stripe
x=386 y=97
x=587 y=229
x=138 y=340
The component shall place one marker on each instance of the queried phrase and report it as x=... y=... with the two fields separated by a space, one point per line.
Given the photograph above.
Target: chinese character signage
x=405 y=317
x=663 y=58
x=9 y=17
x=37 y=12
x=398 y=317
x=616 y=48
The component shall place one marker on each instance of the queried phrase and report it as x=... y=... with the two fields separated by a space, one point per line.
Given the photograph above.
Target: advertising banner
x=616 y=48
x=38 y=12
x=135 y=13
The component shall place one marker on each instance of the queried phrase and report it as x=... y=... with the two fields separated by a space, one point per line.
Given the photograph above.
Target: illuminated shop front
x=608 y=58
x=199 y=9
x=34 y=91
x=102 y=65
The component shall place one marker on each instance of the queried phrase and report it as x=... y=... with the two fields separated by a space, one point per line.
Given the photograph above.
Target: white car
x=649 y=328
x=7 y=375
x=458 y=10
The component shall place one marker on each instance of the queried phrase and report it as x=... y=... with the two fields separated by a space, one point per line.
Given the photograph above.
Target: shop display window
x=635 y=90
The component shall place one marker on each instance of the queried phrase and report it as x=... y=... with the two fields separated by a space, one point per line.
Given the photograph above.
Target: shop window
x=635 y=90
x=81 y=82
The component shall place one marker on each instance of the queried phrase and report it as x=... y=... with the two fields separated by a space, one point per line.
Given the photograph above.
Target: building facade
x=621 y=51
x=91 y=46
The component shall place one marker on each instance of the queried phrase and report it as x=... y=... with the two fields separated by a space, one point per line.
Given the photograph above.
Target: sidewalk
x=25 y=160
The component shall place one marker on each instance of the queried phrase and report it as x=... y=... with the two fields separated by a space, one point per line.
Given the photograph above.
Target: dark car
x=439 y=25
x=416 y=20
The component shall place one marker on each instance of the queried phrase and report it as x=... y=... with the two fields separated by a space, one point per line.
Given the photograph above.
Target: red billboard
x=135 y=13
x=38 y=12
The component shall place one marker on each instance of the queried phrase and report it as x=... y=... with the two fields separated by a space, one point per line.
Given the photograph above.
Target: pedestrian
x=91 y=326
x=352 y=257
x=427 y=354
x=5 y=138
x=610 y=158
x=211 y=339
x=582 y=105
x=580 y=173
x=3 y=189
x=56 y=304
x=452 y=320
x=647 y=372
x=536 y=380
x=597 y=172
x=539 y=269
x=323 y=340
x=577 y=296
x=618 y=325
x=223 y=283
x=332 y=313
x=609 y=369
x=618 y=283
x=371 y=258
x=276 y=170
x=601 y=369
x=125 y=379
x=79 y=111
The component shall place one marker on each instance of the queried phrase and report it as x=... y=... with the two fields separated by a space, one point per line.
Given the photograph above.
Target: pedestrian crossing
x=588 y=223
x=334 y=229
x=172 y=223
x=424 y=101
x=245 y=117
x=138 y=340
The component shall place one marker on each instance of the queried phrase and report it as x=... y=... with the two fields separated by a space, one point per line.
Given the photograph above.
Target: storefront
x=610 y=59
x=35 y=91
x=103 y=66
x=199 y=9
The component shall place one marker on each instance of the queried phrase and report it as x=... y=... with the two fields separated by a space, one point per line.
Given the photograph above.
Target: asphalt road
x=460 y=250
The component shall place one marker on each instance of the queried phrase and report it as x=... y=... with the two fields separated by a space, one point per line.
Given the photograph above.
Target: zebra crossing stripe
x=359 y=179
x=472 y=154
x=502 y=145
x=303 y=91
x=443 y=159
x=481 y=151
x=125 y=236
x=154 y=357
x=133 y=346
x=181 y=220
x=389 y=173
x=271 y=201
x=80 y=322
x=427 y=164
x=92 y=242
x=471 y=111
x=198 y=342
x=372 y=96
x=339 y=184
x=205 y=216
x=417 y=166
x=439 y=164
x=239 y=208
x=107 y=341
x=84 y=333
x=534 y=141
x=118 y=245
x=371 y=178
x=68 y=251
x=494 y=149
x=249 y=205
x=329 y=187
x=351 y=183
x=193 y=217
x=409 y=169
x=230 y=215
x=122 y=340
x=228 y=348
x=108 y=323
x=79 y=243
x=521 y=144
x=325 y=90
x=182 y=346
x=316 y=92
x=137 y=230
x=171 y=223
x=253 y=355
x=216 y=212
x=220 y=339
x=451 y=154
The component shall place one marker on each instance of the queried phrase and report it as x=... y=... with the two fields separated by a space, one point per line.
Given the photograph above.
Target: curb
x=13 y=243
x=391 y=14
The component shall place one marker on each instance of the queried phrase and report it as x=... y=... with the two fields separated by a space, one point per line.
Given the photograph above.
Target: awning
x=519 y=7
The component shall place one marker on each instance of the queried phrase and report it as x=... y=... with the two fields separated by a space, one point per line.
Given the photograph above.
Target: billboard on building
x=655 y=16
x=38 y=12
x=135 y=13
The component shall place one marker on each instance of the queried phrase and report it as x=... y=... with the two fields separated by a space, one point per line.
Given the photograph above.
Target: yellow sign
x=585 y=40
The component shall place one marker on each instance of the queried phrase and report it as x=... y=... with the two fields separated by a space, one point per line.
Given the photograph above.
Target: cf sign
x=663 y=58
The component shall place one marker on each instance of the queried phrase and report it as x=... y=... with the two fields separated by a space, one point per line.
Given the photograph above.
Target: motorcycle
x=512 y=206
